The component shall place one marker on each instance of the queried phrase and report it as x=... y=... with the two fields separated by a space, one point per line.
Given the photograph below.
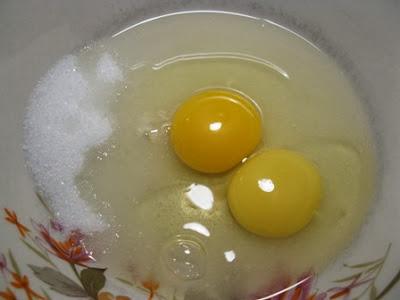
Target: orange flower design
x=12 y=218
x=71 y=250
x=22 y=282
x=345 y=291
x=8 y=295
x=152 y=287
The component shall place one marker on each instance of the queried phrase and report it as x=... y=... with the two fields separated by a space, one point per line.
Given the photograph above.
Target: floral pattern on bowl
x=57 y=248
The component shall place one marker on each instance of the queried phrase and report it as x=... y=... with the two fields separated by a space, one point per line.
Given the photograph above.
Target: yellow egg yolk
x=275 y=193
x=215 y=129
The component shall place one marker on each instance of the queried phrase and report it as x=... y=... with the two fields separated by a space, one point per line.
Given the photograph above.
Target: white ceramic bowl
x=362 y=35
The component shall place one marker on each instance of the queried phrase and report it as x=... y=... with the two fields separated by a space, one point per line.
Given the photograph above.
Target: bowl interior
x=362 y=35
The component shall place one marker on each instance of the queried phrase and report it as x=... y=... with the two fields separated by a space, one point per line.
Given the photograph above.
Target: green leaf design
x=46 y=294
x=43 y=203
x=38 y=253
x=372 y=293
x=372 y=269
x=58 y=282
x=93 y=280
x=390 y=285
x=14 y=262
x=363 y=265
x=352 y=277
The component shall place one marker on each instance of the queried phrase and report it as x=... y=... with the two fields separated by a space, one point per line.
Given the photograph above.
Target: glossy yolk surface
x=215 y=129
x=275 y=193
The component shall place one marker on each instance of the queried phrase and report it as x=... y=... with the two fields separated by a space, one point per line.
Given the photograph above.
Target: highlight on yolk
x=215 y=129
x=275 y=193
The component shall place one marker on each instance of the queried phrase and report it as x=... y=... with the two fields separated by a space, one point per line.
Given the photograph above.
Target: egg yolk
x=275 y=193
x=215 y=129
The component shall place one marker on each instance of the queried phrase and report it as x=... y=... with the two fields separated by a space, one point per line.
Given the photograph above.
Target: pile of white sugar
x=67 y=116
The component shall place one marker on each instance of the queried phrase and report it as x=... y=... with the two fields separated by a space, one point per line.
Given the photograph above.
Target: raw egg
x=215 y=129
x=275 y=194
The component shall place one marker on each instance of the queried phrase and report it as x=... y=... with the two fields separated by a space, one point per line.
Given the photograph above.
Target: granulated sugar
x=63 y=122
x=108 y=70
